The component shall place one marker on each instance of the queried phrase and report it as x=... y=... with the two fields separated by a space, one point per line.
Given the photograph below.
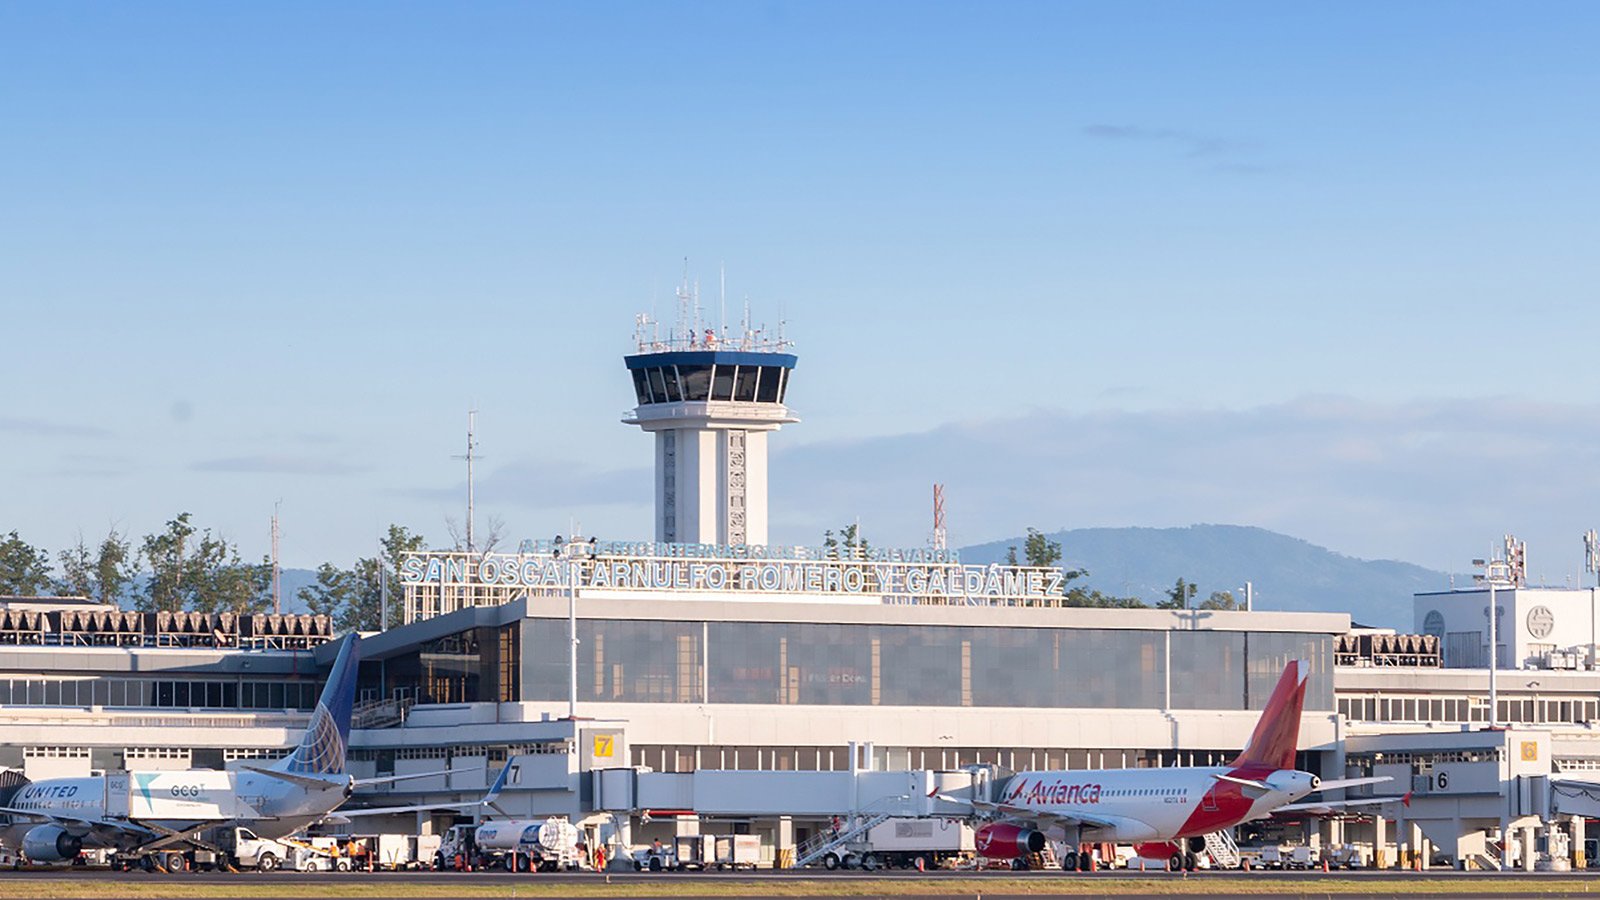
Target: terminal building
x=709 y=679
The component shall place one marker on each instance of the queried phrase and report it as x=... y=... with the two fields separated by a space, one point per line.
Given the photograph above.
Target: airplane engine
x=1162 y=850
x=50 y=843
x=1003 y=841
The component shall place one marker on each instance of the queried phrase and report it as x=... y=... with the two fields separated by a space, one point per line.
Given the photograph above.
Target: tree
x=333 y=592
x=171 y=563
x=1178 y=596
x=228 y=584
x=1220 y=600
x=103 y=575
x=24 y=569
x=1039 y=550
x=374 y=577
x=195 y=570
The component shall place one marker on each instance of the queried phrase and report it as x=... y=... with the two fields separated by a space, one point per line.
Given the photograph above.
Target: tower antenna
x=940 y=541
x=471 y=455
x=277 y=570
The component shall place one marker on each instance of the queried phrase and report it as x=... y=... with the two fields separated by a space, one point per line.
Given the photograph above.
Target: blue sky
x=1324 y=268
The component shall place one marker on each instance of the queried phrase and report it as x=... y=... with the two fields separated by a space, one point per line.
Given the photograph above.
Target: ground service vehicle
x=905 y=842
x=531 y=845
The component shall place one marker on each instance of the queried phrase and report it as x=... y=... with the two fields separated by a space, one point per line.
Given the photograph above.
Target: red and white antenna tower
x=940 y=540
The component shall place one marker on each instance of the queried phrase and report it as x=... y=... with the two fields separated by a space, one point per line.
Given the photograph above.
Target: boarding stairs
x=1224 y=852
x=854 y=829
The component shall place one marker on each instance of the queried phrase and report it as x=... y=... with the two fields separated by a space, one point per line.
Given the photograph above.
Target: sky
x=1324 y=268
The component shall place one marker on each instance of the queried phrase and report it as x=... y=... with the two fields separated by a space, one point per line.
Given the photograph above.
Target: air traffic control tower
x=710 y=399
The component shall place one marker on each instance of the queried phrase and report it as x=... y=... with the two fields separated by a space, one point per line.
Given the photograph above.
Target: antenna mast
x=472 y=446
x=940 y=540
x=277 y=571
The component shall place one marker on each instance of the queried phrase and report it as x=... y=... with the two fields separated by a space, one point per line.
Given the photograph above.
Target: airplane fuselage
x=1152 y=804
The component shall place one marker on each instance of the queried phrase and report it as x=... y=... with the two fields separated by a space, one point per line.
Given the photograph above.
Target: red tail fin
x=1273 y=742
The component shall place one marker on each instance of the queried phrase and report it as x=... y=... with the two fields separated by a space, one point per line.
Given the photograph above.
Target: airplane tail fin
x=498 y=786
x=322 y=748
x=1272 y=744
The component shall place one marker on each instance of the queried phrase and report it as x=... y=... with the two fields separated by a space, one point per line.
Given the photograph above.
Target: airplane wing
x=1342 y=783
x=1327 y=807
x=314 y=782
x=390 y=810
x=385 y=779
x=80 y=824
x=1007 y=810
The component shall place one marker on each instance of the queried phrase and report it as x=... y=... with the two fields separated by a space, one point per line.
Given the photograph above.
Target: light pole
x=1496 y=572
x=573 y=549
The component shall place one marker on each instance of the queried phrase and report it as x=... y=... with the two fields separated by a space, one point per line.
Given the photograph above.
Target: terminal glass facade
x=905 y=665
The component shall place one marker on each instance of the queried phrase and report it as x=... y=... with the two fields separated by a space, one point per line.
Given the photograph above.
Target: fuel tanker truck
x=517 y=845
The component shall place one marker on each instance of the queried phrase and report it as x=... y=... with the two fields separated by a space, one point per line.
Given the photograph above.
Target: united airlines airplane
x=147 y=812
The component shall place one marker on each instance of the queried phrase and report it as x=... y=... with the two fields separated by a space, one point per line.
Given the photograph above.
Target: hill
x=1286 y=573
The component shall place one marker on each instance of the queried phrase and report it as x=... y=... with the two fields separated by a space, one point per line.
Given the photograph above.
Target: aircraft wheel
x=830 y=861
x=1190 y=862
x=1175 y=862
x=1019 y=865
x=266 y=862
x=1069 y=861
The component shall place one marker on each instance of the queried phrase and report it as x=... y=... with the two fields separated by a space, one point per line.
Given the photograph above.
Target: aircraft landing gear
x=1069 y=861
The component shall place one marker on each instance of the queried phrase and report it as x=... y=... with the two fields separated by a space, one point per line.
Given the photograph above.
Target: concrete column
x=1380 y=840
x=1575 y=826
x=1529 y=842
x=1414 y=845
x=1506 y=837
x=783 y=855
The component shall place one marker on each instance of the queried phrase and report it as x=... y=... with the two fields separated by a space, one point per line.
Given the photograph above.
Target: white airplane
x=147 y=812
x=1165 y=812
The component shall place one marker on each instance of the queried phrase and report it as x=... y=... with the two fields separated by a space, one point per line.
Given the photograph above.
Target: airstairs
x=1224 y=852
x=852 y=830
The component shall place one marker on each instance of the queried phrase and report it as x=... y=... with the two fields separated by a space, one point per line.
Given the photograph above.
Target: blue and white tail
x=322 y=748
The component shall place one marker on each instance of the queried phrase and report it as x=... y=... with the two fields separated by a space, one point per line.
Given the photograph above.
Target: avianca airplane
x=1167 y=812
x=145 y=812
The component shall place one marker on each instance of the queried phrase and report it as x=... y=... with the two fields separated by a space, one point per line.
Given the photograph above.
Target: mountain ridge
x=1287 y=573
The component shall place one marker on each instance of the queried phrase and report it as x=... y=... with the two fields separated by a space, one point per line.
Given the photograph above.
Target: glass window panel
x=230 y=695
x=783 y=384
x=181 y=695
x=658 y=388
x=52 y=692
x=275 y=695
x=1208 y=670
x=767 y=390
x=696 y=382
x=669 y=375
x=641 y=386
x=744 y=387
x=722 y=382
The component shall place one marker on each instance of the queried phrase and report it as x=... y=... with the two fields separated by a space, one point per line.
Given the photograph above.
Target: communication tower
x=710 y=397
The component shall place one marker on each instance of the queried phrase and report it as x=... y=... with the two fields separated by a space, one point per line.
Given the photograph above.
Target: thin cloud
x=1220 y=151
x=45 y=428
x=277 y=465
x=536 y=484
x=1425 y=482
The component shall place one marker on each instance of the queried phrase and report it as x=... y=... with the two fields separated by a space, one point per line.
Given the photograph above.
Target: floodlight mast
x=1496 y=573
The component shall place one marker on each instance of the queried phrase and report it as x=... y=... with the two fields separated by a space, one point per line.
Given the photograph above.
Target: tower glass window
x=669 y=374
x=641 y=386
x=722 y=382
x=744 y=388
x=767 y=391
x=696 y=382
x=658 y=388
